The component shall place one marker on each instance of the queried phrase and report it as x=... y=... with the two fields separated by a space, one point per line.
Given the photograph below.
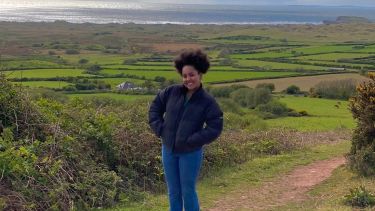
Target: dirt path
x=291 y=187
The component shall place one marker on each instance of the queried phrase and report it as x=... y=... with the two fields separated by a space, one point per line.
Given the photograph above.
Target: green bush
x=292 y=90
x=362 y=153
x=249 y=122
x=360 y=197
x=224 y=91
x=228 y=105
x=72 y=51
x=250 y=98
x=274 y=109
x=269 y=86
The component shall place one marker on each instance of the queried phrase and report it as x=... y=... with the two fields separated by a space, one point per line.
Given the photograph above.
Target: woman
x=185 y=117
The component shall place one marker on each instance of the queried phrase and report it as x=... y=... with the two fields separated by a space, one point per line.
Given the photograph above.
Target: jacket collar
x=185 y=90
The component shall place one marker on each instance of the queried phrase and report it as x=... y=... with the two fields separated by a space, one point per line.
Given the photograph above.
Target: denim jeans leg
x=190 y=164
x=172 y=178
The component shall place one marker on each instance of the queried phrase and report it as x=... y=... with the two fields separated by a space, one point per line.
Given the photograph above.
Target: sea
x=118 y=11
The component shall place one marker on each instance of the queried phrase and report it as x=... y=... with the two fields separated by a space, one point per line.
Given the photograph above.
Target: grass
x=250 y=174
x=216 y=76
x=303 y=82
x=99 y=58
x=168 y=67
x=324 y=114
x=45 y=84
x=334 y=56
x=22 y=64
x=261 y=55
x=329 y=194
x=115 y=96
x=324 y=49
x=278 y=65
x=45 y=73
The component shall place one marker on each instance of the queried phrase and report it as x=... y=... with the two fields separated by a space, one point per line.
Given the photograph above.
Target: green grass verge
x=247 y=175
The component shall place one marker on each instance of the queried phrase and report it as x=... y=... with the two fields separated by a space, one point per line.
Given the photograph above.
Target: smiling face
x=191 y=78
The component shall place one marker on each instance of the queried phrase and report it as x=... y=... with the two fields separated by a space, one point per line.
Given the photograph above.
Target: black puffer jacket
x=185 y=127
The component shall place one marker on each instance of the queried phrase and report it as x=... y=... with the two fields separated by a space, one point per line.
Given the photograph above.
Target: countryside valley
x=74 y=101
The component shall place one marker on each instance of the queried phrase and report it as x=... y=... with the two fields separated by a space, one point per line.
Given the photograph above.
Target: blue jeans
x=181 y=171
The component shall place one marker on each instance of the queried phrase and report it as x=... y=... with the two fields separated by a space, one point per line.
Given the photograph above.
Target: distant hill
x=348 y=19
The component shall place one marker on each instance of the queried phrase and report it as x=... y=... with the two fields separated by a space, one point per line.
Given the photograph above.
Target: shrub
x=72 y=51
x=228 y=105
x=249 y=122
x=224 y=91
x=362 y=153
x=51 y=53
x=44 y=165
x=269 y=86
x=338 y=89
x=83 y=61
x=250 y=98
x=359 y=197
x=94 y=68
x=130 y=61
x=274 y=108
x=292 y=90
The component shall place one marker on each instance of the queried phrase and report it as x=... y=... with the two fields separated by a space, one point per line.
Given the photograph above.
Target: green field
x=324 y=49
x=324 y=114
x=99 y=58
x=45 y=73
x=338 y=64
x=271 y=54
x=209 y=77
x=168 y=67
x=278 y=65
x=115 y=96
x=44 y=84
x=334 y=56
x=24 y=64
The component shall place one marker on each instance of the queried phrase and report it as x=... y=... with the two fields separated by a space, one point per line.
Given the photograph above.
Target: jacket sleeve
x=156 y=112
x=212 y=130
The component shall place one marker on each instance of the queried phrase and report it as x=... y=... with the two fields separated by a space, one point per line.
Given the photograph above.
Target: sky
x=363 y=3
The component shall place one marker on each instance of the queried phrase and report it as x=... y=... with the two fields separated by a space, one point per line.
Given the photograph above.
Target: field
x=237 y=53
x=45 y=73
x=324 y=115
x=44 y=84
x=119 y=97
x=89 y=60
x=216 y=76
x=305 y=83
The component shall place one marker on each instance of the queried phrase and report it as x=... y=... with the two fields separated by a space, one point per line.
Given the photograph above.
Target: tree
x=362 y=153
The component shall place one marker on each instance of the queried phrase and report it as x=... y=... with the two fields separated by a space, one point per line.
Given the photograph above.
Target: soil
x=292 y=187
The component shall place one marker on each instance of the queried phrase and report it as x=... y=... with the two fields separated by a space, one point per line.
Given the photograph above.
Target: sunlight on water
x=137 y=11
x=32 y=4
